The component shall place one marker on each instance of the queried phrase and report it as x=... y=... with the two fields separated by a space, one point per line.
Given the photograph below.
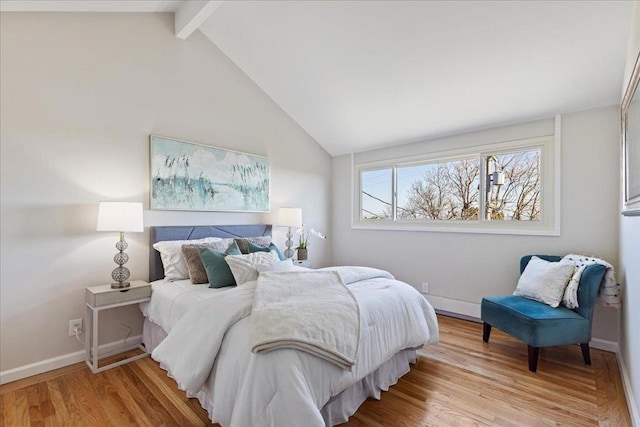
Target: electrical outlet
x=73 y=324
x=425 y=287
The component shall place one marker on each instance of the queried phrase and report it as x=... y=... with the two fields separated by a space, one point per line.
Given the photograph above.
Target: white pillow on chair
x=544 y=281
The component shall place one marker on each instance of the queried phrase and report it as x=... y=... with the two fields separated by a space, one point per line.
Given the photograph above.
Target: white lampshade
x=290 y=217
x=120 y=216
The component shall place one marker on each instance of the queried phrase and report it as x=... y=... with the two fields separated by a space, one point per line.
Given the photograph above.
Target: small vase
x=302 y=254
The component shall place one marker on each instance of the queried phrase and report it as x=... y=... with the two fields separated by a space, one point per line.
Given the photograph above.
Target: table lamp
x=122 y=217
x=289 y=217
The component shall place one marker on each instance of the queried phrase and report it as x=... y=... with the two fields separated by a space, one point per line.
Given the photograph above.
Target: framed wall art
x=631 y=145
x=187 y=176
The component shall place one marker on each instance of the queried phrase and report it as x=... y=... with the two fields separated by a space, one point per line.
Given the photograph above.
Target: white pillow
x=175 y=266
x=244 y=267
x=286 y=265
x=544 y=281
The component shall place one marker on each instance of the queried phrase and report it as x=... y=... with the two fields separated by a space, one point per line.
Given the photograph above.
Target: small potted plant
x=304 y=233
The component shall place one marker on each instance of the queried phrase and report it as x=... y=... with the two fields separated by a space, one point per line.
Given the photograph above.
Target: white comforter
x=286 y=387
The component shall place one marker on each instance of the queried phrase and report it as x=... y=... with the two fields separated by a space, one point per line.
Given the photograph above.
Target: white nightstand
x=302 y=263
x=104 y=297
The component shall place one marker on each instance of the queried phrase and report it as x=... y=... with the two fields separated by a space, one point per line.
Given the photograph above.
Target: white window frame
x=549 y=223
x=393 y=197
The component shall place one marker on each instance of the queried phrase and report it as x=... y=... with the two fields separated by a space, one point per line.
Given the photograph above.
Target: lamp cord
x=124 y=341
x=77 y=332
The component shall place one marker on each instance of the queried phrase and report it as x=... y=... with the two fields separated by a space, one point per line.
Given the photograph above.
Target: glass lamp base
x=288 y=253
x=120 y=285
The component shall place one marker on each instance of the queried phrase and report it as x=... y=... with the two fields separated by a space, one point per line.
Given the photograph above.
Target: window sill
x=478 y=228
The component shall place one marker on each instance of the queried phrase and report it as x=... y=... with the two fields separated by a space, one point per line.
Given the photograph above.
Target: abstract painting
x=193 y=177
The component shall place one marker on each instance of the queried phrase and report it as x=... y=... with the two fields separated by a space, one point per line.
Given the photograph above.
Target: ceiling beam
x=192 y=14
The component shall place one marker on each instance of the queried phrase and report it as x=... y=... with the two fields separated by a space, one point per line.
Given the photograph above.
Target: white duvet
x=286 y=387
x=171 y=300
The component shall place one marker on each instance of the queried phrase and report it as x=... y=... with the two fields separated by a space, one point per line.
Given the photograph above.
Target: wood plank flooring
x=459 y=382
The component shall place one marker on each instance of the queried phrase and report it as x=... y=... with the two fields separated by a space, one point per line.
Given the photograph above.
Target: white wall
x=629 y=272
x=80 y=95
x=461 y=268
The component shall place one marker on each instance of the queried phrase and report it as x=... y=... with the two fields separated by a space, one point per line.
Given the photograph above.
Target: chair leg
x=533 y=358
x=486 y=331
x=585 y=353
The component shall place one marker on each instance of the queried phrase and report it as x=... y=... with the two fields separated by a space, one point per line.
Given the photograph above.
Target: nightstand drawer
x=98 y=296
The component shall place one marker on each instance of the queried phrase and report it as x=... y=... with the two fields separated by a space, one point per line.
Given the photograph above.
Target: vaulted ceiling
x=358 y=75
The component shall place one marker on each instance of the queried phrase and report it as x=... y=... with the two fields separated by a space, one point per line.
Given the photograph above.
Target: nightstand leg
x=94 y=339
x=88 y=324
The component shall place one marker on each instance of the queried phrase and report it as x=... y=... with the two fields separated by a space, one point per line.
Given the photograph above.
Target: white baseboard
x=36 y=368
x=454 y=306
x=628 y=392
x=605 y=345
x=471 y=311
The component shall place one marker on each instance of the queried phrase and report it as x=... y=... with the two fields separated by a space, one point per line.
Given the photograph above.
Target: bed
x=285 y=386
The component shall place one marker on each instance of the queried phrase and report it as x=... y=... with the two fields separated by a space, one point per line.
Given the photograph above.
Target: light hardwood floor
x=460 y=382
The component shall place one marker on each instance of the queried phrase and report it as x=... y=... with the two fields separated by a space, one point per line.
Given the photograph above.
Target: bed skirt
x=340 y=407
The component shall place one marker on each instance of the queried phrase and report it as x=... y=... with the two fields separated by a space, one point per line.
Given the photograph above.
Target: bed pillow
x=175 y=266
x=257 y=248
x=191 y=253
x=544 y=281
x=218 y=272
x=243 y=244
x=243 y=267
x=277 y=266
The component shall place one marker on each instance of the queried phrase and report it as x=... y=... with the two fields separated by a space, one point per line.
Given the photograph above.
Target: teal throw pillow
x=218 y=270
x=256 y=248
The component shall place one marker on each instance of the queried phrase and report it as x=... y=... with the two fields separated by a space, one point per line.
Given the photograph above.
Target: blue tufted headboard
x=192 y=232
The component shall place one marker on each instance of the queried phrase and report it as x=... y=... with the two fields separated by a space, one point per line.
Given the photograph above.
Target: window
x=446 y=190
x=513 y=186
x=507 y=187
x=376 y=194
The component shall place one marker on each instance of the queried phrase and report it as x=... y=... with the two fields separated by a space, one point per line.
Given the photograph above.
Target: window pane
x=376 y=194
x=513 y=190
x=445 y=190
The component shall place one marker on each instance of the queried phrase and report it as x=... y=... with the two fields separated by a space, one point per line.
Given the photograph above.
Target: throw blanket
x=312 y=311
x=609 y=292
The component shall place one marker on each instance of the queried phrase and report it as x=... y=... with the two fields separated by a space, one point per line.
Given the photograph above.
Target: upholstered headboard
x=188 y=232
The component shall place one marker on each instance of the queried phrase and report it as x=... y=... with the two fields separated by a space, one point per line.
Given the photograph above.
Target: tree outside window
x=518 y=197
x=445 y=190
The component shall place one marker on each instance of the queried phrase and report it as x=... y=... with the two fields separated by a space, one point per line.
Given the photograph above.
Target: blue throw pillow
x=218 y=271
x=256 y=248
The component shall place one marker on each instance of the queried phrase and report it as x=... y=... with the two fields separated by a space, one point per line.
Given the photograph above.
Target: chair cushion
x=535 y=323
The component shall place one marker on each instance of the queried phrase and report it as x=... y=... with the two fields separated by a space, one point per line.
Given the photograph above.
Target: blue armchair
x=539 y=325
